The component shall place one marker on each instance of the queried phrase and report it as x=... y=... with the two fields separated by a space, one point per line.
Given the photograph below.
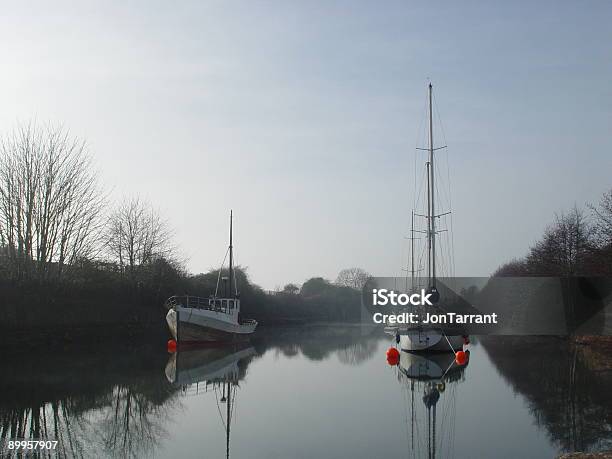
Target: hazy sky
x=303 y=117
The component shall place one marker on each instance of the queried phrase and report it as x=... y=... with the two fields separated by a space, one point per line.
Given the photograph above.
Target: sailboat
x=193 y=319
x=427 y=338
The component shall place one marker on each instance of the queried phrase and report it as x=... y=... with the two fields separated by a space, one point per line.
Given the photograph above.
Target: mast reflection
x=429 y=382
x=215 y=371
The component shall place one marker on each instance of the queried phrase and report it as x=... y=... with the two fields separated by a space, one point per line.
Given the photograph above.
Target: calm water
x=314 y=392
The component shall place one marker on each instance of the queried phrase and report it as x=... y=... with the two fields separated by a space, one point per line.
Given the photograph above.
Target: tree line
x=576 y=243
x=61 y=237
x=54 y=215
x=49 y=202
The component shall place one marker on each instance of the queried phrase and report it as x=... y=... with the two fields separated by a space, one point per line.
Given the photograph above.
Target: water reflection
x=429 y=383
x=216 y=371
x=353 y=344
x=566 y=385
x=219 y=371
x=143 y=402
x=209 y=365
x=88 y=402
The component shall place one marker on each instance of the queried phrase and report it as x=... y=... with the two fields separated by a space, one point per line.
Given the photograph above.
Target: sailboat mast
x=432 y=208
x=412 y=250
x=231 y=259
x=428 y=227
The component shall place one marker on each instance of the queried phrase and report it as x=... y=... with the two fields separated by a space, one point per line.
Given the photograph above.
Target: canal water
x=324 y=392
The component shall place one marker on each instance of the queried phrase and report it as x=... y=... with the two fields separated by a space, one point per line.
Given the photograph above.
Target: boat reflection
x=208 y=365
x=430 y=366
x=429 y=382
x=212 y=370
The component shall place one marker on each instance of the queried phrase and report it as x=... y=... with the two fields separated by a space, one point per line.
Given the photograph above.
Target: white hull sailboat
x=193 y=319
x=423 y=338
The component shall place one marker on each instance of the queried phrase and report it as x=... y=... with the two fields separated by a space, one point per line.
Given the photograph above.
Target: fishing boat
x=193 y=319
x=421 y=337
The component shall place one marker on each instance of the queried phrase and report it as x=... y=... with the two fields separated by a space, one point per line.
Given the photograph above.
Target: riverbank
x=601 y=455
x=596 y=351
x=33 y=314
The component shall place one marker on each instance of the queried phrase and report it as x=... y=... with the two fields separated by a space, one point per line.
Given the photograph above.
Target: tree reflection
x=120 y=413
x=50 y=421
x=567 y=393
x=132 y=425
x=113 y=403
x=129 y=425
x=359 y=352
x=353 y=345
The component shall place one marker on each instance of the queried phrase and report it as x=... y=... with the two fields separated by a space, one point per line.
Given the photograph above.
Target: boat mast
x=231 y=259
x=412 y=250
x=428 y=227
x=432 y=208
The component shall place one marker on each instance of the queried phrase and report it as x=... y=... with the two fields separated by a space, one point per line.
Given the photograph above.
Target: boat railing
x=225 y=305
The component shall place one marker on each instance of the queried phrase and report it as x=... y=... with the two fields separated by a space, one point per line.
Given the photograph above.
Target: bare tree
x=602 y=216
x=353 y=277
x=136 y=235
x=565 y=248
x=602 y=222
x=50 y=201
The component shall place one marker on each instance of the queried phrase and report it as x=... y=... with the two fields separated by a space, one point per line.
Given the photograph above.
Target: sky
x=303 y=117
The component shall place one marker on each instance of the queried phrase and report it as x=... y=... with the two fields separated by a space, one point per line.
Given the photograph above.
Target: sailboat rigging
x=419 y=337
x=410 y=267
